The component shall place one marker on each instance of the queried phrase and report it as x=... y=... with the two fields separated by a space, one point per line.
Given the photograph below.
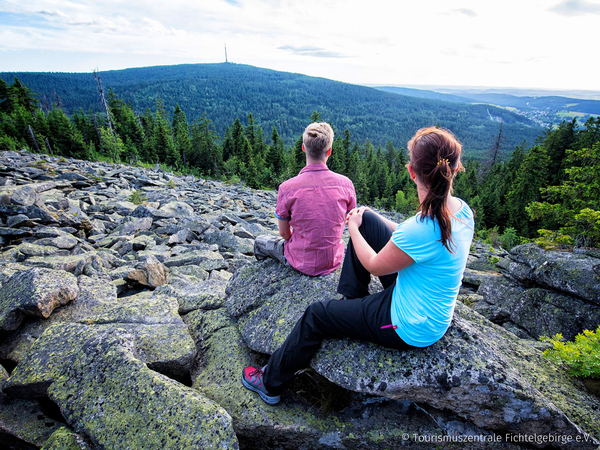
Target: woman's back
x=425 y=292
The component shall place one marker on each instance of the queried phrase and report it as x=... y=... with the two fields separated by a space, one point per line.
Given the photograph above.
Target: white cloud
x=571 y=8
x=514 y=43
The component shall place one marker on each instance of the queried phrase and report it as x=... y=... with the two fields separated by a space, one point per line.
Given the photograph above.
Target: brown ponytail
x=435 y=158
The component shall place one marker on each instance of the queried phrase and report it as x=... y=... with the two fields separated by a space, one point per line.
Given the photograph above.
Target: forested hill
x=228 y=91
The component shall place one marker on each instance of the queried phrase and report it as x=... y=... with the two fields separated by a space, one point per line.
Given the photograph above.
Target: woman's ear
x=411 y=171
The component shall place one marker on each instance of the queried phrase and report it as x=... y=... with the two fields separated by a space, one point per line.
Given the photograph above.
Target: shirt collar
x=314 y=168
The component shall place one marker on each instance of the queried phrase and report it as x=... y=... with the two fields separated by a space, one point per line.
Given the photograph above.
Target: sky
x=545 y=44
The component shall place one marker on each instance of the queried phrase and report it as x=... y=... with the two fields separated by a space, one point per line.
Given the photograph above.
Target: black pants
x=361 y=316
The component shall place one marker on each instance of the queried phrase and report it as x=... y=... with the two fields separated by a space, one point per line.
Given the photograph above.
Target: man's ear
x=303 y=149
x=329 y=152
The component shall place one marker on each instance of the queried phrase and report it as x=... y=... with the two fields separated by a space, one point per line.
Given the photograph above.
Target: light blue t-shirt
x=425 y=293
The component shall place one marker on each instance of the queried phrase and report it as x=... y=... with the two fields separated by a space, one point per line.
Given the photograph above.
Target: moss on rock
x=470 y=371
x=64 y=439
x=209 y=294
x=294 y=423
x=205 y=259
x=571 y=273
x=66 y=263
x=160 y=336
x=25 y=421
x=35 y=292
x=3 y=376
x=112 y=397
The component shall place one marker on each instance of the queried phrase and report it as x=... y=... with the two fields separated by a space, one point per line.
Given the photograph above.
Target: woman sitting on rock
x=419 y=262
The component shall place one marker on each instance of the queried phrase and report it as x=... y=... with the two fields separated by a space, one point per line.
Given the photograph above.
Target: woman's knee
x=369 y=218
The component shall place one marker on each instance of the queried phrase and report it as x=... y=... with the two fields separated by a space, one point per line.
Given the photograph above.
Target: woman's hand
x=354 y=217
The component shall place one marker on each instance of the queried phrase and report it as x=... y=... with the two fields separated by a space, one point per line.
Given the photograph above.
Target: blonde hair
x=317 y=139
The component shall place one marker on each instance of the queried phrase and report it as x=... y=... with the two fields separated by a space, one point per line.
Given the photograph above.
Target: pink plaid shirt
x=315 y=202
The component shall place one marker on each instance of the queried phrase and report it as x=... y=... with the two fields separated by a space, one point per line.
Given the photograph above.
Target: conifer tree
x=276 y=155
x=336 y=161
x=531 y=176
x=250 y=131
x=353 y=163
x=556 y=143
x=19 y=94
x=573 y=207
x=164 y=147
x=298 y=160
x=181 y=134
x=65 y=139
x=5 y=106
x=148 y=123
x=205 y=152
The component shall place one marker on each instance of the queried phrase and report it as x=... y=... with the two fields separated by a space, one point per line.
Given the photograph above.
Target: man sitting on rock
x=311 y=209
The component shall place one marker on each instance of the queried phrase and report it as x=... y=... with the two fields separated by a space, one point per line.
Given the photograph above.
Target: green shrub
x=490 y=236
x=553 y=239
x=402 y=203
x=581 y=357
x=171 y=184
x=493 y=259
x=7 y=144
x=137 y=197
x=509 y=238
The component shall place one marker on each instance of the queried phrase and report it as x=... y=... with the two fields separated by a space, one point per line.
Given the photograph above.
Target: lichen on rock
x=112 y=397
x=465 y=372
x=34 y=292
x=64 y=439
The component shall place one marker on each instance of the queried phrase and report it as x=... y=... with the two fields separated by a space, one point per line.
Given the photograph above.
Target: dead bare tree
x=49 y=147
x=103 y=100
x=496 y=147
x=37 y=148
x=58 y=101
x=492 y=155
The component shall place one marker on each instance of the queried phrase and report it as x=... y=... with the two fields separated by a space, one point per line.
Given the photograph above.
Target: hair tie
x=440 y=161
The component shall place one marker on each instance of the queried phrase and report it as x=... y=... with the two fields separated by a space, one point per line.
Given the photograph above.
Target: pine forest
x=547 y=190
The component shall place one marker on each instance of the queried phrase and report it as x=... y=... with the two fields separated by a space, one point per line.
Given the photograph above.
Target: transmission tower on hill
x=225 y=52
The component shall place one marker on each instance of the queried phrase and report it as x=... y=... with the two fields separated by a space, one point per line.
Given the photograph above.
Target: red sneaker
x=252 y=379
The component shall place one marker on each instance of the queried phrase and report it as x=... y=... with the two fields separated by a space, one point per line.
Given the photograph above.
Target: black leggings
x=361 y=316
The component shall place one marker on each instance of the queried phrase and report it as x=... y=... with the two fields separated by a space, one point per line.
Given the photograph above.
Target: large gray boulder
x=208 y=294
x=108 y=394
x=477 y=370
x=318 y=415
x=543 y=293
x=531 y=312
x=160 y=337
x=34 y=292
x=205 y=259
x=23 y=423
x=571 y=273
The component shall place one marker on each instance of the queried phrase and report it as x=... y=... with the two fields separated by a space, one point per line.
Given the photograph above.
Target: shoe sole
x=267 y=399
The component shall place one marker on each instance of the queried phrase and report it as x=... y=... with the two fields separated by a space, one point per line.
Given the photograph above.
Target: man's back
x=315 y=202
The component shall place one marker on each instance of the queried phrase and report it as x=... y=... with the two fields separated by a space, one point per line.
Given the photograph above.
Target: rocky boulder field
x=130 y=301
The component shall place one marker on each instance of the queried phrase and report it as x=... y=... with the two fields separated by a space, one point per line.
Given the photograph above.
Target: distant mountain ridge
x=551 y=102
x=228 y=91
